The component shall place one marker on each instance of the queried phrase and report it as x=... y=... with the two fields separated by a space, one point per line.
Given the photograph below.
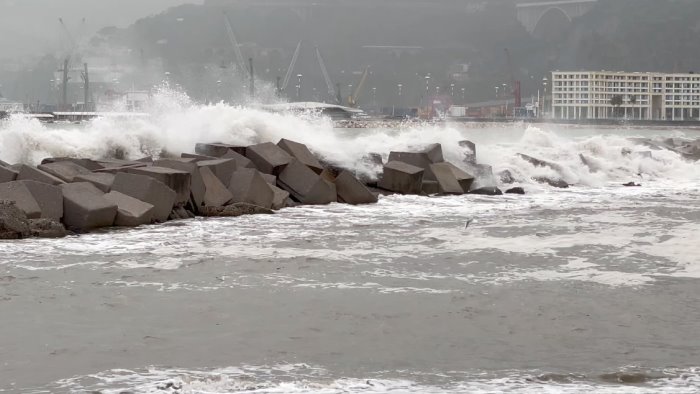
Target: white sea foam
x=302 y=378
x=176 y=124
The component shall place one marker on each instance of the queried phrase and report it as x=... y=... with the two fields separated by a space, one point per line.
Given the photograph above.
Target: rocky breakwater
x=76 y=195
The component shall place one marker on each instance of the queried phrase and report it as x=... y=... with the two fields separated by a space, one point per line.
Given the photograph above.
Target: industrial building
x=637 y=95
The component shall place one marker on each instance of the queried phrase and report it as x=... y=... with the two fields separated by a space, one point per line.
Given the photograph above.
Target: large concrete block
x=222 y=168
x=446 y=179
x=149 y=190
x=465 y=179
x=178 y=180
x=64 y=170
x=27 y=173
x=402 y=178
x=301 y=153
x=7 y=174
x=197 y=188
x=279 y=199
x=196 y=157
x=241 y=161
x=248 y=185
x=114 y=170
x=216 y=194
x=352 y=191
x=101 y=180
x=305 y=185
x=131 y=212
x=218 y=149
x=49 y=198
x=90 y=164
x=13 y=222
x=423 y=159
x=35 y=199
x=268 y=158
x=85 y=207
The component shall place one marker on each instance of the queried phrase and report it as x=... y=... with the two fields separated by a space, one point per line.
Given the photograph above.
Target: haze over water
x=591 y=288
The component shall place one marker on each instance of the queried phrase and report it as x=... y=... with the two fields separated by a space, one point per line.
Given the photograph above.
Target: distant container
x=457 y=111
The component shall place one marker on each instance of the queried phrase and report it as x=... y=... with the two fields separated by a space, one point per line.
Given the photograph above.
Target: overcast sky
x=31 y=26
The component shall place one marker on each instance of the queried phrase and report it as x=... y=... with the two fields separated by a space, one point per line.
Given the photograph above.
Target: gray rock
x=197 y=157
x=216 y=194
x=222 y=168
x=47 y=228
x=32 y=174
x=237 y=209
x=90 y=164
x=35 y=199
x=515 y=190
x=217 y=149
x=13 y=222
x=7 y=174
x=487 y=191
x=280 y=197
x=430 y=187
x=469 y=153
x=178 y=180
x=64 y=170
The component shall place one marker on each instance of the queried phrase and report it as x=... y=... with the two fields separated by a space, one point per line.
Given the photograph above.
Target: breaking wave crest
x=176 y=124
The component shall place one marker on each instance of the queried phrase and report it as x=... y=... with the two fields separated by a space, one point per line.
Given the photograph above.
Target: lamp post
x=463 y=90
x=544 y=98
x=452 y=90
x=299 y=76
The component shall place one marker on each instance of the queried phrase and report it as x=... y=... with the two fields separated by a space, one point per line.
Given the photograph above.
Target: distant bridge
x=531 y=13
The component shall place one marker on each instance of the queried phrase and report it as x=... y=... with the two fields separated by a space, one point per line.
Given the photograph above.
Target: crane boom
x=235 y=45
x=329 y=84
x=288 y=76
x=352 y=100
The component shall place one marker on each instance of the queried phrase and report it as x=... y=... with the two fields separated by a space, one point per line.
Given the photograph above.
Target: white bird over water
x=469 y=221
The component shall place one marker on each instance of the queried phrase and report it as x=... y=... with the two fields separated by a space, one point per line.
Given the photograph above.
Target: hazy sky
x=31 y=26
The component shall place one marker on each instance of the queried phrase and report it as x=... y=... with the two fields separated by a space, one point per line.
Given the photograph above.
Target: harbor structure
x=581 y=95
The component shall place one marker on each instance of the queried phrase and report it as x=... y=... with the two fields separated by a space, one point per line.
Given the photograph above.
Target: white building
x=647 y=96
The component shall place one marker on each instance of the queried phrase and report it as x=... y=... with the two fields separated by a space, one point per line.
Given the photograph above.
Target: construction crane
x=352 y=99
x=290 y=70
x=329 y=84
x=514 y=84
x=70 y=53
x=236 y=47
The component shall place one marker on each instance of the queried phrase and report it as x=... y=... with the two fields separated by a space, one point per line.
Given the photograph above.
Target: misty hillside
x=401 y=45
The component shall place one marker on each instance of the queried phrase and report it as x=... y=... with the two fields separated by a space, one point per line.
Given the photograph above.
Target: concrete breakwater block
x=241 y=161
x=465 y=179
x=64 y=170
x=247 y=185
x=196 y=157
x=302 y=153
x=268 y=158
x=131 y=212
x=35 y=199
x=7 y=174
x=215 y=192
x=279 y=197
x=85 y=207
x=27 y=173
x=101 y=180
x=217 y=149
x=430 y=187
x=304 y=185
x=222 y=168
x=149 y=190
x=90 y=164
x=351 y=191
x=402 y=178
x=197 y=188
x=446 y=180
x=487 y=191
x=423 y=159
x=178 y=180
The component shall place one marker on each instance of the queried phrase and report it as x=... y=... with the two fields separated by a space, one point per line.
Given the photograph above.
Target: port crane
x=326 y=77
x=240 y=61
x=352 y=99
x=290 y=69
